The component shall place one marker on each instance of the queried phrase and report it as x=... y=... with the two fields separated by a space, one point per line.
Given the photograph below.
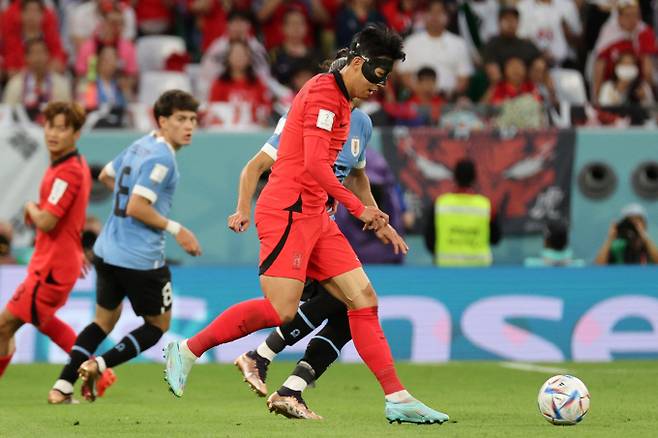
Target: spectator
x=239 y=28
x=352 y=17
x=626 y=86
x=556 y=250
x=461 y=225
x=476 y=21
x=87 y=17
x=435 y=47
x=628 y=241
x=239 y=84
x=383 y=185
x=154 y=16
x=102 y=90
x=293 y=53
x=539 y=76
x=550 y=24
x=400 y=15
x=425 y=98
x=6 y=235
x=270 y=14
x=623 y=32
x=109 y=33
x=26 y=20
x=211 y=20
x=37 y=84
x=506 y=45
x=515 y=83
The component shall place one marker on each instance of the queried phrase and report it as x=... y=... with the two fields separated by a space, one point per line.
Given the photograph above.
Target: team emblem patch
x=356 y=147
x=325 y=120
x=57 y=191
x=158 y=173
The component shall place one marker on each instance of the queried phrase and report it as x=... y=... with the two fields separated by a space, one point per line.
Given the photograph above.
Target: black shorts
x=149 y=292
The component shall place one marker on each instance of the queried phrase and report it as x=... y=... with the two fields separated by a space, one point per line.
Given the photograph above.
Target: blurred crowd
x=522 y=60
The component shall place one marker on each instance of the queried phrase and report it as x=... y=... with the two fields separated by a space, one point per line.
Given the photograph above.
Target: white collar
x=162 y=140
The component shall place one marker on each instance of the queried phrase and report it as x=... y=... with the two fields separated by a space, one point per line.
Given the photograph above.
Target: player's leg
x=280 y=302
x=321 y=352
x=109 y=295
x=283 y=259
x=9 y=325
x=309 y=316
x=151 y=296
x=59 y=332
x=335 y=263
x=355 y=290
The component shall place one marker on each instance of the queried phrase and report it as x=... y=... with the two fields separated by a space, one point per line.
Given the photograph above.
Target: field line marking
x=530 y=367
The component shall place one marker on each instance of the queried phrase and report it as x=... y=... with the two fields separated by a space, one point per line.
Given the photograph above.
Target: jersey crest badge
x=356 y=147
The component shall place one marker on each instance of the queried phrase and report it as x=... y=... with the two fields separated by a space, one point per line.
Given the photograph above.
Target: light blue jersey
x=353 y=155
x=146 y=168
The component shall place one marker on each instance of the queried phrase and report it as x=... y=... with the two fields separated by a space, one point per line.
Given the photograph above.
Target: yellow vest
x=462 y=221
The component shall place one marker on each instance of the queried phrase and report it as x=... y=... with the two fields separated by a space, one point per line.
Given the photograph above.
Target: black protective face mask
x=370 y=66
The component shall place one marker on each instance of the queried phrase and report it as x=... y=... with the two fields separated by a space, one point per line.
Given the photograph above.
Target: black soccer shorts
x=150 y=292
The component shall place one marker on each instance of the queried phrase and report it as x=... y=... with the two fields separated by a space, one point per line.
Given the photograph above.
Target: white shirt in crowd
x=84 y=20
x=541 y=23
x=446 y=54
x=611 y=96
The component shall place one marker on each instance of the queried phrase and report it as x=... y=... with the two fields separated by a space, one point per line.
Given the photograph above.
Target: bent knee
x=286 y=315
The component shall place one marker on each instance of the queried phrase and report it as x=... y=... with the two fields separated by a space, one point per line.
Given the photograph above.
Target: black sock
x=324 y=348
x=85 y=345
x=304 y=371
x=309 y=316
x=275 y=342
x=140 y=339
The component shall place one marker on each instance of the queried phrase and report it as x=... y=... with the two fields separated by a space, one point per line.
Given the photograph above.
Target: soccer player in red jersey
x=299 y=240
x=59 y=216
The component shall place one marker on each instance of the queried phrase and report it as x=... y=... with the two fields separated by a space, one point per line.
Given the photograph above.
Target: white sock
x=185 y=350
x=295 y=383
x=64 y=387
x=399 y=396
x=101 y=364
x=264 y=351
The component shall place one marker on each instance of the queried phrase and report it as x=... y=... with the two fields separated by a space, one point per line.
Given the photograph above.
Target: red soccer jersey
x=64 y=192
x=316 y=128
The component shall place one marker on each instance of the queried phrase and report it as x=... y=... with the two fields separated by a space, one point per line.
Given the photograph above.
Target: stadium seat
x=153 y=50
x=154 y=83
x=569 y=86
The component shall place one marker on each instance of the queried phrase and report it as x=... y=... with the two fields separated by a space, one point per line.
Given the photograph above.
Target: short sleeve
x=321 y=113
x=114 y=165
x=63 y=191
x=154 y=177
x=271 y=147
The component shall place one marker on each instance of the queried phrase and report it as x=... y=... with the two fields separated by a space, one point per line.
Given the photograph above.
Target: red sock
x=371 y=345
x=234 y=323
x=4 y=362
x=60 y=333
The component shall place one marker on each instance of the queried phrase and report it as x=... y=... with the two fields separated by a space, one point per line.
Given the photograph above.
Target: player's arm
x=107 y=176
x=261 y=162
x=154 y=177
x=63 y=191
x=42 y=219
x=141 y=209
x=358 y=183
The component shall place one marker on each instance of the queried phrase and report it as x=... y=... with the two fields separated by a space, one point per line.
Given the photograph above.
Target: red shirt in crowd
x=12 y=48
x=613 y=41
x=146 y=10
x=273 y=27
x=316 y=128
x=505 y=91
x=64 y=192
x=242 y=90
x=399 y=20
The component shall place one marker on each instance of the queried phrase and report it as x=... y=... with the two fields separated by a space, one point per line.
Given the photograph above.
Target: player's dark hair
x=74 y=114
x=464 y=173
x=174 y=100
x=377 y=40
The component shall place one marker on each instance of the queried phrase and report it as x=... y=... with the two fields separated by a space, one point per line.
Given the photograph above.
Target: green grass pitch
x=483 y=400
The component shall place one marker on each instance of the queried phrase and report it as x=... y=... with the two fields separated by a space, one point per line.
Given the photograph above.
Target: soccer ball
x=563 y=400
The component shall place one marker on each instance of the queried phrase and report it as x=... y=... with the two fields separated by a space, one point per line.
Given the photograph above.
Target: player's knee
x=286 y=315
